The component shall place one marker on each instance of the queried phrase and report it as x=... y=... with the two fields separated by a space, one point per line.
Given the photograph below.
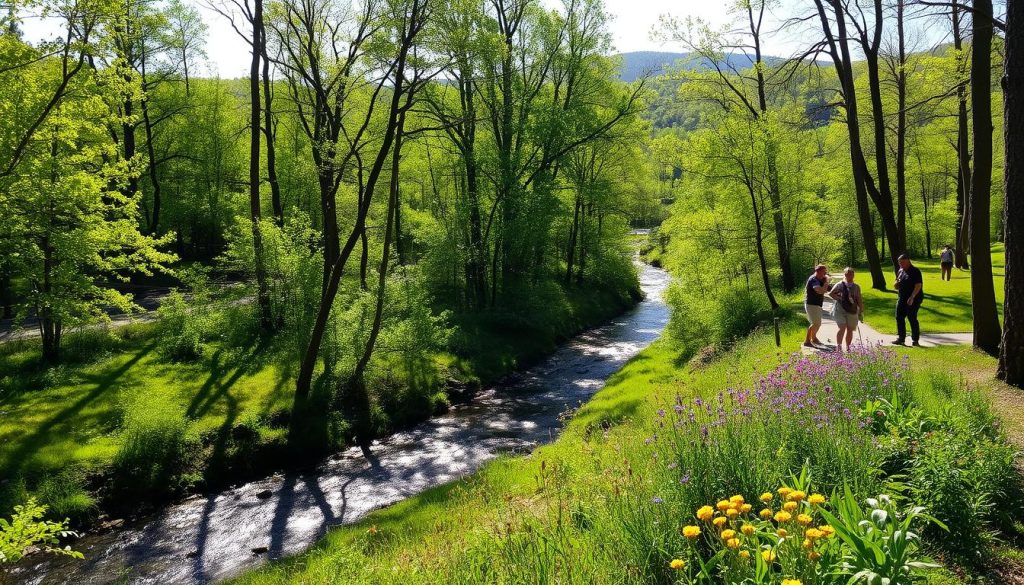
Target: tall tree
x=1011 y=351
x=983 y=296
x=963 y=143
x=405 y=36
x=750 y=92
x=837 y=46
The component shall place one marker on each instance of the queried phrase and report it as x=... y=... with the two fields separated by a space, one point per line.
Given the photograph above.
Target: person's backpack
x=845 y=299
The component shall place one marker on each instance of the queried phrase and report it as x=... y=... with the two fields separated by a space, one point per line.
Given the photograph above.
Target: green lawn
x=947 y=305
x=446 y=534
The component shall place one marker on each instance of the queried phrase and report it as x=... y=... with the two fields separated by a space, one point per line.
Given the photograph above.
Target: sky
x=631 y=24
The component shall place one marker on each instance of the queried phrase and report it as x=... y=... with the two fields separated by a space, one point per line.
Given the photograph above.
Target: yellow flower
x=733 y=543
x=746 y=508
x=705 y=513
x=723 y=505
x=807 y=543
x=804 y=520
x=813 y=533
x=732 y=513
x=737 y=499
x=719 y=522
x=371 y=530
x=814 y=555
x=677 y=564
x=790 y=506
x=766 y=513
x=766 y=497
x=744 y=554
x=792 y=582
x=691 y=532
x=785 y=491
x=747 y=529
x=727 y=534
x=816 y=499
x=797 y=495
x=783 y=517
x=827 y=530
x=768 y=556
x=782 y=532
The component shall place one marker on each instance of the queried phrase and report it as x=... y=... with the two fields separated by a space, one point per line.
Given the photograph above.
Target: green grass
x=947 y=305
x=446 y=534
x=64 y=425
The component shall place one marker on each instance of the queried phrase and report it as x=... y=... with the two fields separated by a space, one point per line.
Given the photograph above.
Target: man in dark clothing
x=817 y=286
x=910 y=289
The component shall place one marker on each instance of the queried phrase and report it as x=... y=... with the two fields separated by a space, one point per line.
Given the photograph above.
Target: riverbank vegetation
x=610 y=501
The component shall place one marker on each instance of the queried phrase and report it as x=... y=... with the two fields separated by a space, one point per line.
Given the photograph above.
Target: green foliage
x=152 y=447
x=27 y=530
x=882 y=543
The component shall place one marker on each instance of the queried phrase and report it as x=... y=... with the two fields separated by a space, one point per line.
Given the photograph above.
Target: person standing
x=910 y=289
x=849 y=308
x=817 y=286
x=946 y=263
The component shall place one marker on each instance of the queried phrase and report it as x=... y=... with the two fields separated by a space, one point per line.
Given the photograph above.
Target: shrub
x=27 y=530
x=152 y=449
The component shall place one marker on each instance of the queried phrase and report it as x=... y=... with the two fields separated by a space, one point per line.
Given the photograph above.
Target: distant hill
x=638 y=63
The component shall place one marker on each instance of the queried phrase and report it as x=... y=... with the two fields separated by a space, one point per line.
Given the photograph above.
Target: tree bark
x=983 y=296
x=840 y=52
x=963 y=153
x=1011 y=352
x=255 y=214
x=269 y=132
x=901 y=127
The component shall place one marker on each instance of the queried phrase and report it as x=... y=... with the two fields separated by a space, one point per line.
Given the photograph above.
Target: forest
x=410 y=210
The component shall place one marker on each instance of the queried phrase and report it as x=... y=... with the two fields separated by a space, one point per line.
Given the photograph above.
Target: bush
x=26 y=530
x=153 y=447
x=185 y=323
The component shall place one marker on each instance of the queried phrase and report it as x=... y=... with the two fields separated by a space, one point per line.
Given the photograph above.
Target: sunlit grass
x=947 y=305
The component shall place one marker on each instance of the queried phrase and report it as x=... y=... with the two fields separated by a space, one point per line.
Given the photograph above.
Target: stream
x=212 y=537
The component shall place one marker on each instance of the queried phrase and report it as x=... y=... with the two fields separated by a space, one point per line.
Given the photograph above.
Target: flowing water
x=212 y=537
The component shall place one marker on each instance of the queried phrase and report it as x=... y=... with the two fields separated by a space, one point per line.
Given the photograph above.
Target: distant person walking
x=910 y=289
x=817 y=286
x=849 y=307
x=946 y=263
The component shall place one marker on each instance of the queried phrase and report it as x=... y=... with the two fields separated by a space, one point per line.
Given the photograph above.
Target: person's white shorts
x=813 y=314
x=844 y=319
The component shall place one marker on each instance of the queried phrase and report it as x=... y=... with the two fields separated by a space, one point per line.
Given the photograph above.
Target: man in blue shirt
x=910 y=289
x=817 y=286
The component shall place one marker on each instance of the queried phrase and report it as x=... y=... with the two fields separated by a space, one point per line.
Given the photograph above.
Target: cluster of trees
x=483 y=150
x=867 y=144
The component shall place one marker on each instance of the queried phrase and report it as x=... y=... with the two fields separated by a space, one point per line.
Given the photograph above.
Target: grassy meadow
x=947 y=305
x=614 y=499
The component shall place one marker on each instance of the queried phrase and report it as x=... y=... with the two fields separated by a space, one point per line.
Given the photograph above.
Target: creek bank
x=215 y=536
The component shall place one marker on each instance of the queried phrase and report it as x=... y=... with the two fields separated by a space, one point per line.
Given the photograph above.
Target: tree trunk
x=269 y=132
x=983 y=296
x=759 y=244
x=570 y=256
x=382 y=273
x=154 y=218
x=840 y=52
x=255 y=214
x=1011 y=352
x=901 y=129
x=962 y=247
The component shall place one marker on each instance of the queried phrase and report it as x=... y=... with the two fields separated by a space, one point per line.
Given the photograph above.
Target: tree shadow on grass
x=104 y=382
